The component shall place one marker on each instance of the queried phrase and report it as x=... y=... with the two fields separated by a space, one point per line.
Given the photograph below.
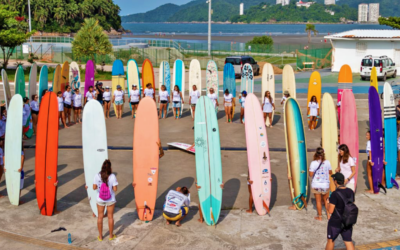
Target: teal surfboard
x=230 y=83
x=179 y=79
x=13 y=148
x=208 y=160
x=43 y=81
x=165 y=79
x=20 y=82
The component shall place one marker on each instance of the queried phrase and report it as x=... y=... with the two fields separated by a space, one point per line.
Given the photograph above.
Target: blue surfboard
x=43 y=80
x=230 y=83
x=179 y=80
x=165 y=79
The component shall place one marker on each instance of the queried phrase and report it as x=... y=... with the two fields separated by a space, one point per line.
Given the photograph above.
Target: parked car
x=384 y=65
x=239 y=61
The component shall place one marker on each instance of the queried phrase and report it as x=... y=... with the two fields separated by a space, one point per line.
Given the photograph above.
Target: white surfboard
x=268 y=83
x=183 y=146
x=6 y=88
x=74 y=76
x=94 y=142
x=194 y=77
x=164 y=78
x=13 y=148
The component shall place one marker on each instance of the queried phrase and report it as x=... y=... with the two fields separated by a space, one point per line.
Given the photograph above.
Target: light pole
x=209 y=27
x=29 y=13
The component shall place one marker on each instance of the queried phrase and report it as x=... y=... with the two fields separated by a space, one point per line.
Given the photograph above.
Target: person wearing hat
x=336 y=202
x=90 y=94
x=99 y=92
x=242 y=100
x=163 y=100
x=286 y=95
x=107 y=102
x=134 y=99
x=119 y=100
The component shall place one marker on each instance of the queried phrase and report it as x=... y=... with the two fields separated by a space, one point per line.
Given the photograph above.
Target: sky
x=140 y=6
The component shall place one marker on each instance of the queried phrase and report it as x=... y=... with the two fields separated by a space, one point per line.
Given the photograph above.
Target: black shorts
x=333 y=233
x=68 y=106
x=77 y=108
x=35 y=112
x=134 y=103
x=164 y=102
x=107 y=101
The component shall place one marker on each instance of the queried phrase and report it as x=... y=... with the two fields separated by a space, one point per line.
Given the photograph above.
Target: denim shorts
x=100 y=101
x=119 y=102
x=176 y=104
x=105 y=204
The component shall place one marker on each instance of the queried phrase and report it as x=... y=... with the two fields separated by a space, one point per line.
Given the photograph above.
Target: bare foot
x=21 y=202
x=66 y=126
x=250 y=211
x=200 y=220
x=178 y=224
x=93 y=215
x=167 y=222
x=318 y=218
x=292 y=207
x=369 y=191
x=1 y=196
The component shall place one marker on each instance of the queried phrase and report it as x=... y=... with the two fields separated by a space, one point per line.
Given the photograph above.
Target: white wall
x=345 y=52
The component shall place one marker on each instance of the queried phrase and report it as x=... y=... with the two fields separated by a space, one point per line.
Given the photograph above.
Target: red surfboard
x=46 y=157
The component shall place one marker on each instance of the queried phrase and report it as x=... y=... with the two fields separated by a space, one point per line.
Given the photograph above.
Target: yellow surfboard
x=57 y=79
x=288 y=81
x=314 y=89
x=64 y=76
x=374 y=78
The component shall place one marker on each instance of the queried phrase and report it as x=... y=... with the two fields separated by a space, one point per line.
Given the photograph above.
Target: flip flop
x=113 y=238
x=98 y=238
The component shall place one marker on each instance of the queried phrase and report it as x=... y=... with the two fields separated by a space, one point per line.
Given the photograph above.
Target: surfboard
x=212 y=80
x=247 y=80
x=46 y=154
x=15 y=81
x=64 y=76
x=13 y=148
x=268 y=83
x=132 y=77
x=179 y=79
x=146 y=158
x=19 y=83
x=344 y=82
x=349 y=127
x=194 y=77
x=118 y=78
x=57 y=79
x=389 y=115
x=94 y=144
x=43 y=81
x=165 y=79
x=32 y=81
x=74 y=76
x=258 y=155
x=6 y=88
x=314 y=89
x=288 y=81
x=230 y=83
x=89 y=76
x=375 y=126
x=374 y=78
x=183 y=146
x=330 y=133
x=148 y=75
x=296 y=153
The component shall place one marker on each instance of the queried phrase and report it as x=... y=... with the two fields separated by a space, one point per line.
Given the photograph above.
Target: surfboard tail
x=394 y=182
x=212 y=217
x=266 y=208
x=382 y=187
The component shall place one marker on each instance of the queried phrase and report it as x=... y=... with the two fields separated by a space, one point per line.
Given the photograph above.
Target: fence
x=321 y=58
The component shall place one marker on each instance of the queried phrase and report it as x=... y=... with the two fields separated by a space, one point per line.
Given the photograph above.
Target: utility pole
x=29 y=13
x=209 y=27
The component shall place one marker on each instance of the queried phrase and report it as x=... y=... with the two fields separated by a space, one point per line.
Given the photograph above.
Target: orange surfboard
x=146 y=158
x=46 y=157
x=147 y=75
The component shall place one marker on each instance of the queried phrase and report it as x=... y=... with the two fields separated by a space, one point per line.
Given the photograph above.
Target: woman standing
x=242 y=100
x=194 y=95
x=119 y=100
x=77 y=104
x=149 y=92
x=286 y=95
x=67 y=103
x=320 y=170
x=228 y=106
x=268 y=107
x=135 y=99
x=107 y=102
x=163 y=99
x=61 y=109
x=347 y=166
x=106 y=184
x=213 y=97
x=313 y=112
x=34 y=112
x=26 y=112
x=90 y=95
x=177 y=100
x=99 y=92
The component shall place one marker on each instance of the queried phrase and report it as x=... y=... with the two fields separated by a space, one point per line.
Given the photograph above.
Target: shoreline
x=256 y=23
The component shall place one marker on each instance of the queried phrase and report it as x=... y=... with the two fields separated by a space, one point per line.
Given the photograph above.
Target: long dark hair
x=269 y=97
x=105 y=171
x=179 y=91
x=319 y=154
x=346 y=154
x=312 y=97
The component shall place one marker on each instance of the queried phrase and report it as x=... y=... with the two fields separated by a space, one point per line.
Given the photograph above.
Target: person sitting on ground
x=176 y=206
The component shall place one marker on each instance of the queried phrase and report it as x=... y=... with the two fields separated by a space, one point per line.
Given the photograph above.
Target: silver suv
x=385 y=67
x=239 y=61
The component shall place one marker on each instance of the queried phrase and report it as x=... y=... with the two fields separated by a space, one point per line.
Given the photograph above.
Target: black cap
x=339 y=177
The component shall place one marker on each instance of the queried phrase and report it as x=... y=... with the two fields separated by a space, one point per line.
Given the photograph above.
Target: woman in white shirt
x=194 y=95
x=61 y=115
x=177 y=101
x=149 y=92
x=107 y=102
x=242 y=100
x=320 y=170
x=313 y=112
x=134 y=99
x=26 y=113
x=163 y=100
x=119 y=100
x=77 y=105
x=34 y=112
x=268 y=107
x=228 y=98
x=214 y=98
x=90 y=94
x=347 y=166
x=67 y=103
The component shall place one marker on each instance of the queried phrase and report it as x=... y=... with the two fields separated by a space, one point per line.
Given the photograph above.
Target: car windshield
x=368 y=62
x=233 y=61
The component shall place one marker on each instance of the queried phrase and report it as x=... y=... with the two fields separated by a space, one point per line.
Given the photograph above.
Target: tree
x=393 y=22
x=91 y=40
x=13 y=32
x=310 y=28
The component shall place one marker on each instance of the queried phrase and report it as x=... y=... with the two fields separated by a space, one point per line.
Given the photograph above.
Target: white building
x=373 y=13
x=241 y=9
x=329 y=2
x=278 y=1
x=363 y=12
x=285 y=2
x=351 y=46
x=303 y=4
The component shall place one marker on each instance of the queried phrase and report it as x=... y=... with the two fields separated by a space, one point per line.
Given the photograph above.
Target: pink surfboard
x=349 y=127
x=89 y=76
x=258 y=154
x=345 y=81
x=184 y=146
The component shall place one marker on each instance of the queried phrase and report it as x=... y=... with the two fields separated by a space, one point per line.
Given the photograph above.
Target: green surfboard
x=208 y=160
x=20 y=82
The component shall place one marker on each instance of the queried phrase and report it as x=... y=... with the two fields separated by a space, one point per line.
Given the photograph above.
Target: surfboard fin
x=266 y=208
x=394 y=182
x=382 y=187
x=212 y=217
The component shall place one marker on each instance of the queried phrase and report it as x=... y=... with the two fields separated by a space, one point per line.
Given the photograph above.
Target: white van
x=385 y=67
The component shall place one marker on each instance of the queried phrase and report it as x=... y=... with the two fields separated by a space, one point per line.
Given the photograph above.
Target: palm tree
x=310 y=28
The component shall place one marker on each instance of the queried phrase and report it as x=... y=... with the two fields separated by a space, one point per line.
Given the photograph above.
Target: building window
x=361 y=48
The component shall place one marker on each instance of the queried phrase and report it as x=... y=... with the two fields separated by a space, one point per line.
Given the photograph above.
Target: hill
x=159 y=14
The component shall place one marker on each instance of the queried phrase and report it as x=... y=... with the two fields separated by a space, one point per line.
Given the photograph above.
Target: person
x=163 y=99
x=228 y=106
x=313 y=112
x=320 y=170
x=90 y=94
x=251 y=202
x=398 y=153
x=201 y=219
x=242 y=100
x=77 y=105
x=177 y=101
x=99 y=92
x=118 y=100
x=398 y=115
x=26 y=113
x=67 y=96
x=268 y=107
x=347 y=166
x=21 y=170
x=149 y=92
x=194 y=95
x=213 y=97
x=176 y=206
x=135 y=99
x=103 y=181
x=34 y=112
x=369 y=163
x=1 y=162
x=286 y=95
x=61 y=108
x=3 y=123
x=44 y=92
x=107 y=102
x=336 y=208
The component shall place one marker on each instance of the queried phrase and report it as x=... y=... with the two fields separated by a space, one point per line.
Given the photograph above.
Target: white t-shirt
x=213 y=98
x=228 y=98
x=67 y=97
x=284 y=98
x=34 y=105
x=1 y=156
x=118 y=95
x=77 y=98
x=321 y=177
x=194 y=96
x=90 y=96
x=149 y=92
x=339 y=104
x=267 y=108
x=60 y=103
x=242 y=100
x=176 y=96
x=345 y=168
x=26 y=112
x=107 y=95
x=174 y=201
x=163 y=95
x=368 y=148
x=313 y=108
x=112 y=182
x=135 y=95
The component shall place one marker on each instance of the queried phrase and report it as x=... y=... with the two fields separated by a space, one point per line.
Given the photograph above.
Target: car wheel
x=395 y=74
x=363 y=78
x=384 y=78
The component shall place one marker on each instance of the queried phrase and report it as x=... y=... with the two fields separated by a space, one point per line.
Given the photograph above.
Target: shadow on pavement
x=73 y=198
x=125 y=196
x=229 y=195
